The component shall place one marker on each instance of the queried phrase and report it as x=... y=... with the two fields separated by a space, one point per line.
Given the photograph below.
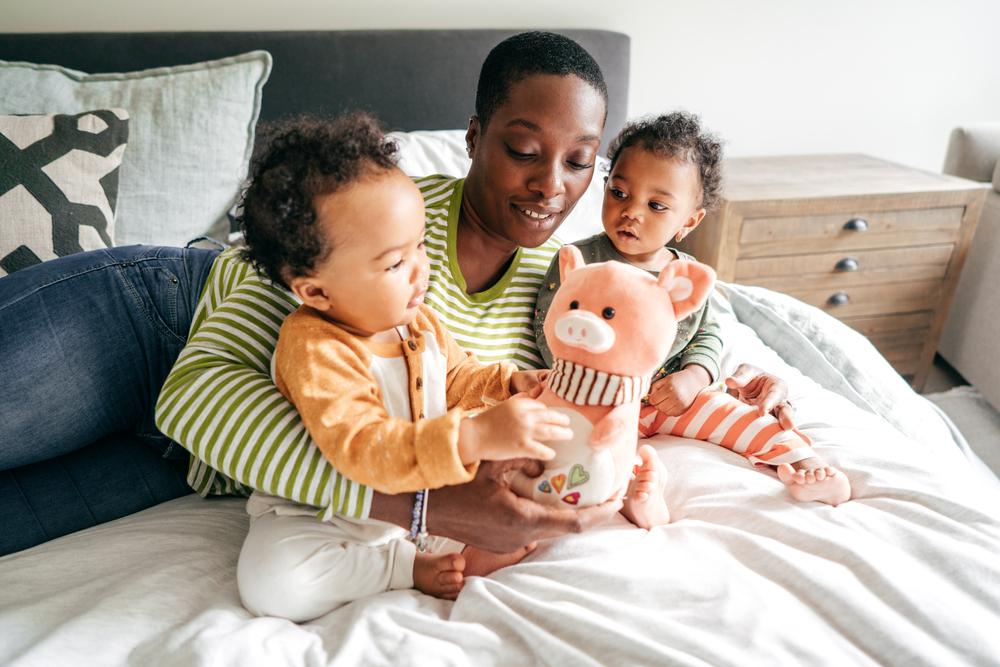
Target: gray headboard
x=411 y=79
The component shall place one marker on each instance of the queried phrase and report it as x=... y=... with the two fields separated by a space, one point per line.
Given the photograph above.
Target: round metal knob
x=847 y=264
x=856 y=225
x=838 y=299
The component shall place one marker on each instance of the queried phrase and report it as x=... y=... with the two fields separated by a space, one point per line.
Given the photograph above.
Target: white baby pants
x=295 y=566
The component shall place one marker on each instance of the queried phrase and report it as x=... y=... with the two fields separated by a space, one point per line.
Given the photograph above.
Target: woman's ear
x=472 y=135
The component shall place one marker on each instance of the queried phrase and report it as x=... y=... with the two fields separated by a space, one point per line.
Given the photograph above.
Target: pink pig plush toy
x=609 y=328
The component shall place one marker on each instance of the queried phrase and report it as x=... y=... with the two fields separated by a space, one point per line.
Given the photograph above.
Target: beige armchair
x=971 y=338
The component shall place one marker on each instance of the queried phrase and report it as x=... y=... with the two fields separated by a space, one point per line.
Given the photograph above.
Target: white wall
x=890 y=78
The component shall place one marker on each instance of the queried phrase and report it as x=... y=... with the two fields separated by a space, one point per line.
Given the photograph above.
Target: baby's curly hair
x=306 y=157
x=677 y=135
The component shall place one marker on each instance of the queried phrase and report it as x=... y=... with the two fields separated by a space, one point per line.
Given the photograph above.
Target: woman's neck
x=483 y=256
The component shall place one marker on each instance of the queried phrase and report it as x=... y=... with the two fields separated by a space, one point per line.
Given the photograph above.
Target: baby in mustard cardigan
x=384 y=391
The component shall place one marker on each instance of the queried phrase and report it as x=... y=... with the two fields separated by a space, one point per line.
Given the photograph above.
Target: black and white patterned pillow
x=58 y=184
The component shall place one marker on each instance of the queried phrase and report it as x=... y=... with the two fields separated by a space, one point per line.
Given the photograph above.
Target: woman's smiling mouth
x=537 y=217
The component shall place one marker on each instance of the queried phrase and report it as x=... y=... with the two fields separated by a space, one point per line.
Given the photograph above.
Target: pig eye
x=573 y=305
x=608 y=313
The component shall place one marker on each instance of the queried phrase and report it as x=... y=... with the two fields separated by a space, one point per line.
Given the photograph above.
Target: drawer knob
x=856 y=225
x=847 y=264
x=838 y=299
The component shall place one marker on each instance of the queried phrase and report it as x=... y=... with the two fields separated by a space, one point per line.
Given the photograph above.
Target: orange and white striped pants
x=719 y=418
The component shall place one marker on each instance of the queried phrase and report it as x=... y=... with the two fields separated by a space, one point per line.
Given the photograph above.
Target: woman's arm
x=220 y=403
x=487 y=514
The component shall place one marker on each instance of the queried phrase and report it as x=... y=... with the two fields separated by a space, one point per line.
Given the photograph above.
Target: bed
x=905 y=573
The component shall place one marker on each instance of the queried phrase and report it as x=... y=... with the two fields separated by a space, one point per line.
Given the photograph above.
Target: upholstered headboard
x=411 y=79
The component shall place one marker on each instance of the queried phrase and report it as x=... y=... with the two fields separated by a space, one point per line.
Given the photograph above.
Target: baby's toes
x=645 y=487
x=650 y=477
x=451 y=579
x=820 y=474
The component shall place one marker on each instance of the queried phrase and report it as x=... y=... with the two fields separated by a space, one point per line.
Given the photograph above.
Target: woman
x=87 y=340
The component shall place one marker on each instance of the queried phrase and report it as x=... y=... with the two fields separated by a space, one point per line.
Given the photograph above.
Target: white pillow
x=190 y=136
x=423 y=153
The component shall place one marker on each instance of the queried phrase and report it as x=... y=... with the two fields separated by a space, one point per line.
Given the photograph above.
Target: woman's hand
x=486 y=512
x=530 y=382
x=766 y=391
x=673 y=395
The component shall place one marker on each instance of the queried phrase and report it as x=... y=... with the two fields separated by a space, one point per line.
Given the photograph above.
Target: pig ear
x=688 y=284
x=570 y=259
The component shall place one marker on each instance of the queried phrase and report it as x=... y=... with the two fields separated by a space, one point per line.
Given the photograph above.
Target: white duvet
x=907 y=573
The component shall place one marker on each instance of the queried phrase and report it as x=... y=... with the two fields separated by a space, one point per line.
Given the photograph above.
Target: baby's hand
x=516 y=428
x=530 y=382
x=766 y=391
x=675 y=393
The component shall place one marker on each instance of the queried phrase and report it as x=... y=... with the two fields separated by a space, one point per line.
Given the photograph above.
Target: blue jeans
x=86 y=342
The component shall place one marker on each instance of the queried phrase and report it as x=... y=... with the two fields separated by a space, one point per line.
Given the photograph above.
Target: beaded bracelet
x=418 y=520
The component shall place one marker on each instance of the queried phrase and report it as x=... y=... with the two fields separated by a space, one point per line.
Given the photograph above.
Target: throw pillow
x=191 y=135
x=58 y=184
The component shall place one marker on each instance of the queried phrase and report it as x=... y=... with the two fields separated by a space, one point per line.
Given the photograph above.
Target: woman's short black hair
x=306 y=157
x=677 y=135
x=528 y=53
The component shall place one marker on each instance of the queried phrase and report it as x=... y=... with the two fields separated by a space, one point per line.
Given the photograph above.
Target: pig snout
x=583 y=329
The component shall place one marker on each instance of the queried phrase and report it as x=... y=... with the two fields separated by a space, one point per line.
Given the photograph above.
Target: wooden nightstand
x=878 y=245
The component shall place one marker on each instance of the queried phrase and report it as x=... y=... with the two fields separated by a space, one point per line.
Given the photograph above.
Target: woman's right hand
x=515 y=428
x=486 y=512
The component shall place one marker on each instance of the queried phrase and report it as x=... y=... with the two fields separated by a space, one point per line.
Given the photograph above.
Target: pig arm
x=615 y=424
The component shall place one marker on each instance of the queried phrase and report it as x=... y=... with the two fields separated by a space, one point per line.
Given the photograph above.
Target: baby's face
x=647 y=200
x=376 y=275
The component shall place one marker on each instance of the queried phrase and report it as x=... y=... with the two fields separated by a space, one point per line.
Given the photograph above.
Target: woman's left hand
x=767 y=392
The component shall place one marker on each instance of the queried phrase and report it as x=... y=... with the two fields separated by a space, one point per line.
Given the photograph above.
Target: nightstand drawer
x=794 y=235
x=840 y=270
x=873 y=299
x=883 y=325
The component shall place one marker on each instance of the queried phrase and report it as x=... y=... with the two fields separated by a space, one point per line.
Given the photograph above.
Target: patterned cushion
x=58 y=184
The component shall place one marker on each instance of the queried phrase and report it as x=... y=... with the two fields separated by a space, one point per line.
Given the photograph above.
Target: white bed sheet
x=908 y=572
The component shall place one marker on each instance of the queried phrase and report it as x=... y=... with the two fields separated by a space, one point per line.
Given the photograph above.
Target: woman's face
x=535 y=158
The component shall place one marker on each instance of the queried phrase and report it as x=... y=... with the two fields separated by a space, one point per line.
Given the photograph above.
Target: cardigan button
x=412 y=344
x=419 y=383
x=421 y=416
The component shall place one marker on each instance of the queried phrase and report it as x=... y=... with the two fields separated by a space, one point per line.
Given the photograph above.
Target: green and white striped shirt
x=220 y=403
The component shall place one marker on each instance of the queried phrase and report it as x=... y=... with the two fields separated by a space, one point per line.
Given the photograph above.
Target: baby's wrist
x=468 y=441
x=699 y=373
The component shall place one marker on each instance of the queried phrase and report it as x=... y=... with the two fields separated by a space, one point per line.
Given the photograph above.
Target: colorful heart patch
x=559 y=481
x=572 y=498
x=577 y=476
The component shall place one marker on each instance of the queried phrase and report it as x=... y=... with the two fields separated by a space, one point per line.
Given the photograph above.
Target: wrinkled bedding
x=908 y=572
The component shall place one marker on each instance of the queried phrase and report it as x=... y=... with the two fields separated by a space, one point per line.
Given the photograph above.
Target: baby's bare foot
x=645 y=505
x=439 y=575
x=479 y=562
x=811 y=479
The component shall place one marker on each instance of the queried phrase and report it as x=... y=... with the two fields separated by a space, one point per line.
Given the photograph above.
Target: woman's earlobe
x=472 y=135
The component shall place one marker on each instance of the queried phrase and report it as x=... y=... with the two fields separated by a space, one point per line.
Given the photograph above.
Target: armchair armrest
x=974 y=153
